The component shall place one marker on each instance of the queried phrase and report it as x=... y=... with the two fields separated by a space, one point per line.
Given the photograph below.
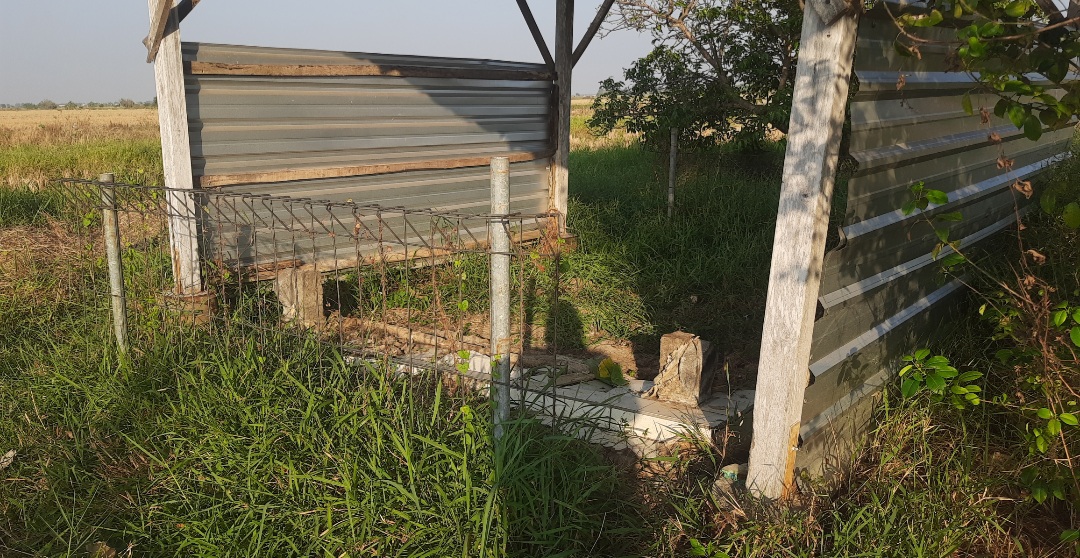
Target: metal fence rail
x=406 y=288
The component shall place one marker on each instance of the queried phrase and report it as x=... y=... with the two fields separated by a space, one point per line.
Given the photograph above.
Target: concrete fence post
x=499 y=229
x=111 y=225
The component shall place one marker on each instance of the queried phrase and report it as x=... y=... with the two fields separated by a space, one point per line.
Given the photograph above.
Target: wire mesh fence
x=405 y=289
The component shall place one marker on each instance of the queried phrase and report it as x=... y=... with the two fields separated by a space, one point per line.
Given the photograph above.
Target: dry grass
x=583 y=139
x=37 y=146
x=79 y=126
x=41 y=262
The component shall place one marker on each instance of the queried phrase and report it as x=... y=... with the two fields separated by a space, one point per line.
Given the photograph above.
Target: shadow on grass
x=704 y=270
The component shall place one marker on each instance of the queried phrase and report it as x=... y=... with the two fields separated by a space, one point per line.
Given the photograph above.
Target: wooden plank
x=358 y=70
x=538 y=37
x=286 y=175
x=183 y=8
x=817 y=117
x=159 y=17
x=564 y=64
x=176 y=157
x=597 y=21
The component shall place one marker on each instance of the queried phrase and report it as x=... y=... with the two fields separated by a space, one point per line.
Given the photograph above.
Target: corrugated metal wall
x=327 y=125
x=881 y=289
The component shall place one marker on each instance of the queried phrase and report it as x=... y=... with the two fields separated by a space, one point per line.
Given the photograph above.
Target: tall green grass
x=705 y=269
x=237 y=444
x=135 y=161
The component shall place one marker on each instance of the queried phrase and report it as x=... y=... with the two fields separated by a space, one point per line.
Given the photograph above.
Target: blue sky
x=91 y=51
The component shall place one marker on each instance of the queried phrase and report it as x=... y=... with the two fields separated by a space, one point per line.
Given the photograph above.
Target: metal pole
x=671 y=172
x=111 y=225
x=500 y=289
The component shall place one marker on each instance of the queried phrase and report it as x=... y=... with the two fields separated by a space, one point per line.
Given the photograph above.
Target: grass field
x=40 y=145
x=214 y=445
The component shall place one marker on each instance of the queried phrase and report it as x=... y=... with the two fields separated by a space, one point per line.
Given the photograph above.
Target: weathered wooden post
x=164 y=52
x=672 y=159
x=564 y=64
x=817 y=119
x=111 y=226
x=499 y=229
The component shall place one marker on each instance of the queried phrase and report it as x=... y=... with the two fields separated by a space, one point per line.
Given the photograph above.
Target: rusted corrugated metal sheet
x=881 y=289
x=328 y=125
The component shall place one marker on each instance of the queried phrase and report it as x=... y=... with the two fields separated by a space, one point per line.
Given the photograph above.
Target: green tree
x=1001 y=44
x=719 y=68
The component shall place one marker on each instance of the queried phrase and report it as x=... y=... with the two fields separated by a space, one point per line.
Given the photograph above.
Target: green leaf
x=1044 y=413
x=1058 y=318
x=969 y=376
x=966 y=103
x=953 y=259
x=991 y=29
x=921 y=354
x=910 y=387
x=937 y=197
x=1003 y=356
x=908 y=208
x=937 y=360
x=1053 y=427
x=1058 y=72
x=1033 y=128
x=1076 y=315
x=946 y=371
x=1069 y=419
x=1041 y=443
x=1017 y=114
x=906 y=369
x=951 y=216
x=1039 y=493
x=1074 y=334
x=1048 y=202
x=1071 y=215
x=942 y=234
x=958 y=390
x=1017 y=8
x=928 y=20
x=1001 y=108
x=935 y=382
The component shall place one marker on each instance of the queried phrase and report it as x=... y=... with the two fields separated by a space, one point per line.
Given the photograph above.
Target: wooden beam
x=538 y=37
x=285 y=175
x=183 y=8
x=817 y=118
x=349 y=70
x=597 y=21
x=564 y=64
x=159 y=17
x=176 y=157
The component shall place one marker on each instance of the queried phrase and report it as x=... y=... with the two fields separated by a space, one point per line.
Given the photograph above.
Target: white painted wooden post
x=564 y=64
x=817 y=119
x=176 y=157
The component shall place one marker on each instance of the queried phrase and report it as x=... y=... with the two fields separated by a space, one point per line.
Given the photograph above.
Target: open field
x=39 y=145
x=215 y=445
